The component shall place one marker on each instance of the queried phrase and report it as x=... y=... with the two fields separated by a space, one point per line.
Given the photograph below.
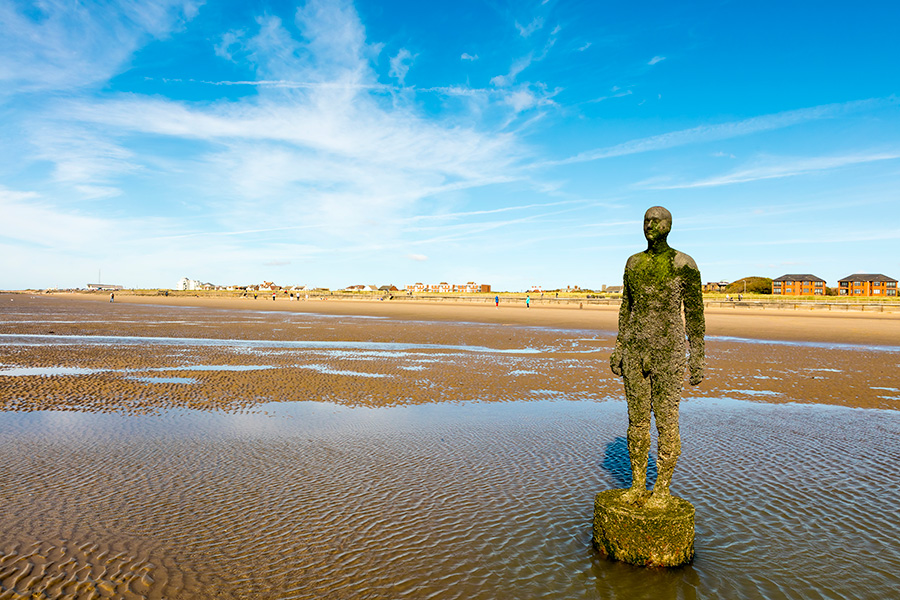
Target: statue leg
x=666 y=390
x=637 y=392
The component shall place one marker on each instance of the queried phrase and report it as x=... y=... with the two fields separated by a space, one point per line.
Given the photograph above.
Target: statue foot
x=634 y=495
x=660 y=498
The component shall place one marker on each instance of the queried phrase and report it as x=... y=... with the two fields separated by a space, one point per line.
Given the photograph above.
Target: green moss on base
x=644 y=536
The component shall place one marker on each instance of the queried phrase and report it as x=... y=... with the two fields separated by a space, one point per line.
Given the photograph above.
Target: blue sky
x=332 y=143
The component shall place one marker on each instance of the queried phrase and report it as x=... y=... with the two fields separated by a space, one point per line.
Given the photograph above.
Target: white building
x=189 y=284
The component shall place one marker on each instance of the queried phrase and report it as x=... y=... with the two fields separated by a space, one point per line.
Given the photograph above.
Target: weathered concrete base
x=653 y=537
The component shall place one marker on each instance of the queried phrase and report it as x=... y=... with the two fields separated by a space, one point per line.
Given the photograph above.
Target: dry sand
x=760 y=324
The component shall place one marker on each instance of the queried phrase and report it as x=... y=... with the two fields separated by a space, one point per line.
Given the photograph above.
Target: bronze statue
x=650 y=351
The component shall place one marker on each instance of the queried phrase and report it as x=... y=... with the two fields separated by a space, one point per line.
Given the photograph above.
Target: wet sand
x=359 y=353
x=251 y=449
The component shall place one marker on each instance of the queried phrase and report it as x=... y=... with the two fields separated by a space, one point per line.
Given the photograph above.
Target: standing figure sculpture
x=650 y=351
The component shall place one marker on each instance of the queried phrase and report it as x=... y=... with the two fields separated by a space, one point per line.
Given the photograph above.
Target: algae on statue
x=660 y=284
x=650 y=350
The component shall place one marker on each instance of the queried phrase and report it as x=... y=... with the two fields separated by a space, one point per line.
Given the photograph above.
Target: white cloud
x=400 y=64
x=86 y=159
x=417 y=257
x=619 y=95
x=229 y=39
x=585 y=47
x=656 y=59
x=467 y=56
x=721 y=131
x=517 y=67
x=70 y=45
x=521 y=99
x=526 y=30
x=27 y=217
x=781 y=169
x=317 y=146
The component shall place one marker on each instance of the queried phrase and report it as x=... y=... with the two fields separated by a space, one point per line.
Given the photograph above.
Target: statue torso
x=654 y=285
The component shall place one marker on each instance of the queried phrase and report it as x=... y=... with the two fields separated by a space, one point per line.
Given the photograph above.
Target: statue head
x=657 y=224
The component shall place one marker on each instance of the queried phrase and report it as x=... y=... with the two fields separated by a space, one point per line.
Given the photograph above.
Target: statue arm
x=695 y=324
x=615 y=361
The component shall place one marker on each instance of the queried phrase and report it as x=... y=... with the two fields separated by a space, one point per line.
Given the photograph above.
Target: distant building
x=715 y=286
x=446 y=288
x=188 y=284
x=798 y=284
x=360 y=288
x=103 y=286
x=867 y=284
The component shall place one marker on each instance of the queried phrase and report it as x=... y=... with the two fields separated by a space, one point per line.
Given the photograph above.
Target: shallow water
x=14 y=339
x=465 y=500
x=120 y=491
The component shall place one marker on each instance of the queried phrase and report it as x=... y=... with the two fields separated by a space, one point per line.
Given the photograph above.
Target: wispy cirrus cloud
x=517 y=67
x=779 y=169
x=526 y=30
x=400 y=64
x=317 y=145
x=61 y=45
x=719 y=131
x=84 y=159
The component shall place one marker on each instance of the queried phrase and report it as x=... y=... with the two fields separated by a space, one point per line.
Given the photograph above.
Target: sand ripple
x=388 y=463
x=309 y=500
x=63 y=569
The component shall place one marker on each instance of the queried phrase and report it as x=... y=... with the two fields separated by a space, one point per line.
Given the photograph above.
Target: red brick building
x=798 y=284
x=867 y=284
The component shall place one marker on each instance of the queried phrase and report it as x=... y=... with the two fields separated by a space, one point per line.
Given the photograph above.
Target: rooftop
x=867 y=277
x=799 y=277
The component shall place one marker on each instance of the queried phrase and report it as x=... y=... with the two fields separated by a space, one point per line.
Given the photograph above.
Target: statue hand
x=696 y=375
x=615 y=362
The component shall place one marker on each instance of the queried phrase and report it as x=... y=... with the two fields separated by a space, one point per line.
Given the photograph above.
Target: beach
x=230 y=448
x=787 y=356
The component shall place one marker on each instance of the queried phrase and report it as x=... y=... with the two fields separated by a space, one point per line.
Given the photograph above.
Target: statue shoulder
x=634 y=260
x=683 y=260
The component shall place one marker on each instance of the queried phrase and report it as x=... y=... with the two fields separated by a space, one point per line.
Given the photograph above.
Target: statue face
x=657 y=223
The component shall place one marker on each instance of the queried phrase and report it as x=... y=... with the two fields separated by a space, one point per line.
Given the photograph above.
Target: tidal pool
x=445 y=500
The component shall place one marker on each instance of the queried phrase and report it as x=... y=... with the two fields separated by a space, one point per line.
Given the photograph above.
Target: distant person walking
x=527 y=301
x=273 y=296
x=497 y=302
x=112 y=296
